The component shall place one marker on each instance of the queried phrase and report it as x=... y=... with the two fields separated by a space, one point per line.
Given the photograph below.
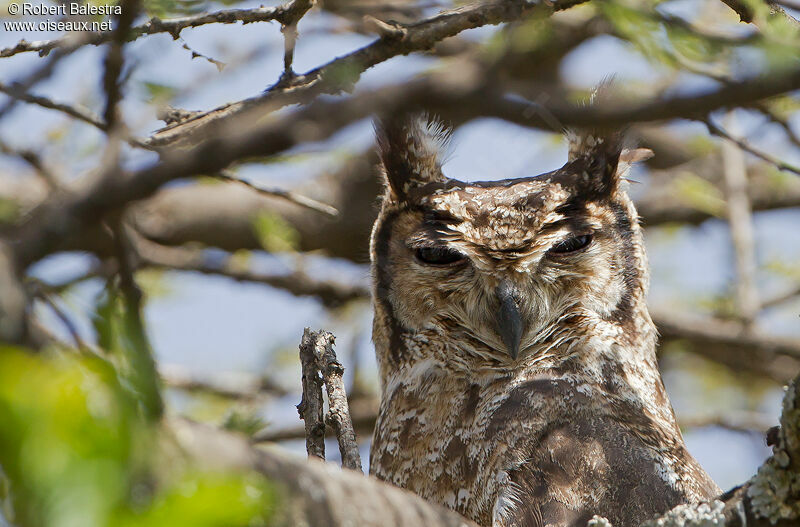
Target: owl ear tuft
x=411 y=148
x=599 y=161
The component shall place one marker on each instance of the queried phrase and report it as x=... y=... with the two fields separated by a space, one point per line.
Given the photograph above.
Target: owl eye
x=570 y=245
x=438 y=256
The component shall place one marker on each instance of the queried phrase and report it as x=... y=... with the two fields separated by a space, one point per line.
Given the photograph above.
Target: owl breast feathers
x=516 y=354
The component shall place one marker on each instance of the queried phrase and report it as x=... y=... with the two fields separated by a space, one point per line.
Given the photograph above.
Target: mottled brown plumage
x=516 y=353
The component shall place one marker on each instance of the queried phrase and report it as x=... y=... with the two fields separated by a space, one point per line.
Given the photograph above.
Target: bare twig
x=727 y=342
x=311 y=406
x=740 y=219
x=338 y=408
x=746 y=422
x=363 y=413
x=41 y=73
x=744 y=145
x=78 y=112
x=781 y=298
x=65 y=320
x=331 y=294
x=231 y=385
x=783 y=123
x=293 y=197
x=173 y=26
x=341 y=73
x=35 y=161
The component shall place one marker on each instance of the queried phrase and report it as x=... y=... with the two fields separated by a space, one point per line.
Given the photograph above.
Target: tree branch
x=339 y=410
x=726 y=342
x=311 y=406
x=314 y=492
x=173 y=26
x=340 y=74
x=297 y=199
x=740 y=220
x=744 y=145
x=298 y=283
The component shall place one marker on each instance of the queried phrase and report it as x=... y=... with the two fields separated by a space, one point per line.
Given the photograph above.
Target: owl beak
x=509 y=320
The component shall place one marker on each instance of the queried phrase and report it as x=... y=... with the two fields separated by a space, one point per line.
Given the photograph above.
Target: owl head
x=511 y=267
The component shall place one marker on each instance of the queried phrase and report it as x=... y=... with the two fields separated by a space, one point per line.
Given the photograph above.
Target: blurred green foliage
x=672 y=42
x=76 y=451
x=67 y=439
x=274 y=233
x=9 y=210
x=118 y=324
x=242 y=421
x=699 y=193
x=81 y=442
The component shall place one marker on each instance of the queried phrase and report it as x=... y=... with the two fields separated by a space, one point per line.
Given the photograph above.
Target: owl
x=516 y=355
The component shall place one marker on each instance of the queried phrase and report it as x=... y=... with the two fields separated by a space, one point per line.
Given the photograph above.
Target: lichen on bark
x=774 y=491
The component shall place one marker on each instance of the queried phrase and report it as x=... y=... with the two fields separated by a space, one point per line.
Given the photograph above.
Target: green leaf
x=208 y=500
x=120 y=333
x=699 y=194
x=274 y=233
x=75 y=451
x=159 y=93
x=9 y=210
x=247 y=423
x=67 y=439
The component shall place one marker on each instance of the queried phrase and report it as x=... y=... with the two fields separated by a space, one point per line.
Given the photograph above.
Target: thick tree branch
x=313 y=492
x=320 y=494
x=321 y=119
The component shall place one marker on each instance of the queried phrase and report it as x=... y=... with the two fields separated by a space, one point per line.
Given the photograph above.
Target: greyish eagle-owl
x=516 y=353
